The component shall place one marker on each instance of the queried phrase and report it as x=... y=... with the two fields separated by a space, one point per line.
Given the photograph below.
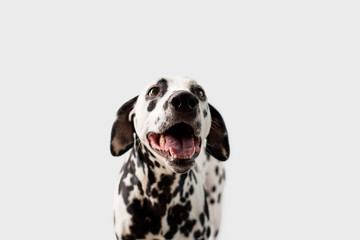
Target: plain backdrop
x=283 y=74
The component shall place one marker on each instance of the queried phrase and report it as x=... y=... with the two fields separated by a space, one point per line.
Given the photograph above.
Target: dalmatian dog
x=172 y=183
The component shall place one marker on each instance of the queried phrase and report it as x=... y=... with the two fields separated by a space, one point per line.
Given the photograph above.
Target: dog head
x=173 y=119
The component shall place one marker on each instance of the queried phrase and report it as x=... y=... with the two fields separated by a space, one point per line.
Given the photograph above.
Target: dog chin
x=181 y=165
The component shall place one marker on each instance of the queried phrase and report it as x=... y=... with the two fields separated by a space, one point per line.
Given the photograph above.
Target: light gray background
x=284 y=75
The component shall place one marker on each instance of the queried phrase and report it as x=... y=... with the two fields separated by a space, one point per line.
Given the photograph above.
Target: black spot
x=157 y=164
x=166 y=104
x=212 y=201
x=192 y=176
x=217 y=170
x=163 y=84
x=187 y=227
x=219 y=198
x=216 y=233
x=197 y=234
x=206 y=207
x=205 y=113
x=152 y=105
x=202 y=219
x=208 y=232
x=213 y=189
x=154 y=193
x=191 y=190
x=151 y=181
x=166 y=181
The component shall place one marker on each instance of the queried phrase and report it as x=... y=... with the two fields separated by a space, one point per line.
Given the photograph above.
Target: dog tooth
x=193 y=153
x=162 y=141
x=172 y=153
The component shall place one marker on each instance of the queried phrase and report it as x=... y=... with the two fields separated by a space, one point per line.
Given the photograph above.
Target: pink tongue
x=182 y=146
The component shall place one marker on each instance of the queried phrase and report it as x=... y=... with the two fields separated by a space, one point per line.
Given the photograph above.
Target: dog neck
x=152 y=192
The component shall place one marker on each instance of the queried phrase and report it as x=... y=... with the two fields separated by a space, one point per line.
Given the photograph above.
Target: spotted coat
x=155 y=201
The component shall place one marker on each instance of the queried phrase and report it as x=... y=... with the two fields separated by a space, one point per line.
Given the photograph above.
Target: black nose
x=184 y=101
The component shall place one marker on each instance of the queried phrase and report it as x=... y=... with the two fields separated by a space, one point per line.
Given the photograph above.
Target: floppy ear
x=217 y=140
x=122 y=132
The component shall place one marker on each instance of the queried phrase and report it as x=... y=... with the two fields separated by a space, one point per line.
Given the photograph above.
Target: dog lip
x=166 y=127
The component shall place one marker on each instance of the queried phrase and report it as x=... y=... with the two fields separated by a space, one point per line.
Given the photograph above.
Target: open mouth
x=178 y=144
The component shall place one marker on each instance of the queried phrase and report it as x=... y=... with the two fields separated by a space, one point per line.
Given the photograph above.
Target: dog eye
x=199 y=92
x=153 y=92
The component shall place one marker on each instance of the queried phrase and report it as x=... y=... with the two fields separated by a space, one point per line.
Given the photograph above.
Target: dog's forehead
x=180 y=83
x=172 y=84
